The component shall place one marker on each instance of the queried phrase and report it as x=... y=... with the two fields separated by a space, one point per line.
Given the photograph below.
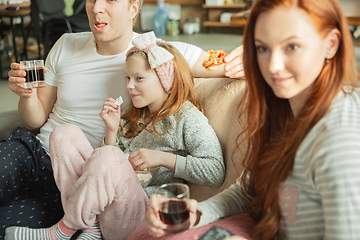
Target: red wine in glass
x=175 y=214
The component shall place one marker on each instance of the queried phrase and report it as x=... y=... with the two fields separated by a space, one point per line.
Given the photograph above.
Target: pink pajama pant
x=239 y=225
x=96 y=185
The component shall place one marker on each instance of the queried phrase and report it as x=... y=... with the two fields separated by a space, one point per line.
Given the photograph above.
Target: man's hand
x=16 y=80
x=234 y=63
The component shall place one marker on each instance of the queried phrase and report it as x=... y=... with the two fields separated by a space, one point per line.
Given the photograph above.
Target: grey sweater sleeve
x=204 y=164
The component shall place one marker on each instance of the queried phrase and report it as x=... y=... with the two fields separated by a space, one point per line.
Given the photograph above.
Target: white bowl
x=145 y=175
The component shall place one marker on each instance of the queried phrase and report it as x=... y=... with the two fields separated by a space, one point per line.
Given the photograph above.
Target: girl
x=164 y=127
x=302 y=175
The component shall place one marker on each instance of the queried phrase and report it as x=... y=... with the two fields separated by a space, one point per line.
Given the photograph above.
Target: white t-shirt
x=84 y=79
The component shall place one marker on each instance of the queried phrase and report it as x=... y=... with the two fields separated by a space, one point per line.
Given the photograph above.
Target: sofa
x=220 y=99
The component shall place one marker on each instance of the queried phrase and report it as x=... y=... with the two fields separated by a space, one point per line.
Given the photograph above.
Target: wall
x=68 y=7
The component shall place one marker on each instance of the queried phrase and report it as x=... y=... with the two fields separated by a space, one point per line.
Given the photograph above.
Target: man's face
x=110 y=19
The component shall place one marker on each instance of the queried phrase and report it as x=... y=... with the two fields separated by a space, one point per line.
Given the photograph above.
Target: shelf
x=220 y=24
x=353 y=21
x=214 y=13
x=235 y=5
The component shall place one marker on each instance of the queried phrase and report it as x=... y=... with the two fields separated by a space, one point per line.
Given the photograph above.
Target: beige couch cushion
x=220 y=98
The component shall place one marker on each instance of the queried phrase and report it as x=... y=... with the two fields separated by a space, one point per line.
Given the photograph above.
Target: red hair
x=182 y=91
x=272 y=133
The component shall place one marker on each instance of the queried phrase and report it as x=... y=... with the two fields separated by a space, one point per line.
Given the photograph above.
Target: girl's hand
x=156 y=226
x=110 y=114
x=234 y=67
x=145 y=158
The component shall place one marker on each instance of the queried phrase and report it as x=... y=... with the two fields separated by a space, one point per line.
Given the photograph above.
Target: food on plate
x=216 y=59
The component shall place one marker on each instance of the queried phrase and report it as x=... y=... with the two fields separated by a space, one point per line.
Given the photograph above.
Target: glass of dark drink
x=35 y=76
x=173 y=202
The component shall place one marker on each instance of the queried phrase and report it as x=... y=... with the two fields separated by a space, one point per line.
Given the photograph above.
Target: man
x=82 y=70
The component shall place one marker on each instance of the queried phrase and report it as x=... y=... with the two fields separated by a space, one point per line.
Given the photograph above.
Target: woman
x=301 y=179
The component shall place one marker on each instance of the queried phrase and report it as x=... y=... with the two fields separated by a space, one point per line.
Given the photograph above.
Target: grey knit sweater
x=192 y=139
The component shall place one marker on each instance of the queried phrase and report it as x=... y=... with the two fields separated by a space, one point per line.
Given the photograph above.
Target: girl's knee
x=65 y=131
x=112 y=162
x=110 y=154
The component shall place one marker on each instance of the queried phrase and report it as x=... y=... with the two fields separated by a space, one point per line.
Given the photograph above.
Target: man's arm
x=233 y=67
x=34 y=111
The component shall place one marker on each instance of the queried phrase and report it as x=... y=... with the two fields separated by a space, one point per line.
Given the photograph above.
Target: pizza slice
x=216 y=59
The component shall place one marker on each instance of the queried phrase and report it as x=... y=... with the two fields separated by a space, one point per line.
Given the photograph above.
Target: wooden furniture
x=351 y=10
x=21 y=5
x=214 y=12
x=23 y=9
x=239 y=19
x=22 y=12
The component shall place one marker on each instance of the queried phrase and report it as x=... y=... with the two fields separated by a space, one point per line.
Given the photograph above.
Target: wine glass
x=173 y=203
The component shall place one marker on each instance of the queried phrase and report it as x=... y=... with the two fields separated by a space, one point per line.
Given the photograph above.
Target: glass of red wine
x=173 y=202
x=35 y=76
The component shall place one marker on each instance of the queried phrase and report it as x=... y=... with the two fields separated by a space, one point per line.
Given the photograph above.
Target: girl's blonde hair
x=182 y=91
x=272 y=133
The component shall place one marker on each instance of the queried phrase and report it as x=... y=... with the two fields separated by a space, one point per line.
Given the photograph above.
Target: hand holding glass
x=173 y=203
x=35 y=76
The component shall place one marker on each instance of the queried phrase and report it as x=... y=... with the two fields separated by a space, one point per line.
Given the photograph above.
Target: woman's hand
x=110 y=114
x=234 y=67
x=156 y=226
x=145 y=158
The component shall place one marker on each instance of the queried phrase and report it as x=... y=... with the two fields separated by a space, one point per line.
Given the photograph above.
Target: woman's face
x=290 y=52
x=143 y=84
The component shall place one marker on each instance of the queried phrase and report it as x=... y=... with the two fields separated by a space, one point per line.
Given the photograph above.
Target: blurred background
x=28 y=29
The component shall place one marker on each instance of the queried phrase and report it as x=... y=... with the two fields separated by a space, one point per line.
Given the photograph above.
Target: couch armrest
x=220 y=98
x=10 y=120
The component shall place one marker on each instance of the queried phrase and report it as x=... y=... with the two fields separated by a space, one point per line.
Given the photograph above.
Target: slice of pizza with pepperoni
x=216 y=59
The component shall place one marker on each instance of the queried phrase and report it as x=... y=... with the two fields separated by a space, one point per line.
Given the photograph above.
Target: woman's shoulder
x=336 y=135
x=342 y=120
x=345 y=111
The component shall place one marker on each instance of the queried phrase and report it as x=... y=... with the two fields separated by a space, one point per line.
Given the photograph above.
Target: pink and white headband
x=159 y=58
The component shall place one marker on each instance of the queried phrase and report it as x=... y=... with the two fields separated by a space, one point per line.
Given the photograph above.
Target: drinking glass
x=35 y=76
x=173 y=203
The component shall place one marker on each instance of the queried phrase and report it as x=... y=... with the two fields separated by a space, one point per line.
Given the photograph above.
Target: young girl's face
x=290 y=52
x=143 y=84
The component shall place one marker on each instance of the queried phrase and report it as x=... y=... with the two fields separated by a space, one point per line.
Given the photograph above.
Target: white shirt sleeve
x=190 y=52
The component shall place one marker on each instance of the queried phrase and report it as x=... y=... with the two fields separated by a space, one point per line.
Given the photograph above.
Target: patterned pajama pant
x=96 y=185
x=28 y=193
